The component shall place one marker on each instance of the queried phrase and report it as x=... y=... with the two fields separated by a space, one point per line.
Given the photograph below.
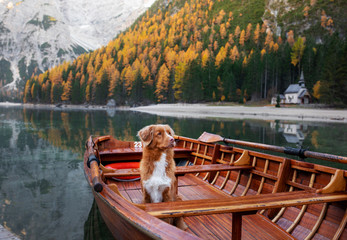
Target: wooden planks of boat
x=227 y=192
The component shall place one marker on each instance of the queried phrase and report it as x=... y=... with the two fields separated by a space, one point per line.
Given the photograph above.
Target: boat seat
x=181 y=170
x=133 y=154
x=241 y=206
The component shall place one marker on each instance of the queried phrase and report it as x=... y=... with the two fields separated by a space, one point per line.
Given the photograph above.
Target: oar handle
x=292 y=151
x=93 y=163
x=326 y=156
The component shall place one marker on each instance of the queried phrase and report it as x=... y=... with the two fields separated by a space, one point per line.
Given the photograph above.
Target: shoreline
x=200 y=110
x=245 y=112
x=61 y=107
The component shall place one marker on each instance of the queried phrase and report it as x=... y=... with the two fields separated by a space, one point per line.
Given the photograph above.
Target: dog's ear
x=146 y=135
x=171 y=130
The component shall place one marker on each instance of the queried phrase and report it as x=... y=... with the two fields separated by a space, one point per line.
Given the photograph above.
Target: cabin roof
x=281 y=96
x=293 y=88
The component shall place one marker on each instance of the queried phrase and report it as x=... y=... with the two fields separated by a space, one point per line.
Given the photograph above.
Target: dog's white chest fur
x=159 y=181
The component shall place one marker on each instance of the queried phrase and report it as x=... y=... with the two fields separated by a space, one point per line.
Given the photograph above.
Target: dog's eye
x=159 y=133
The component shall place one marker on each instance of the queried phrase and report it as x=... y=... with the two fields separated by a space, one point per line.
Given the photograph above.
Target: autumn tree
x=221 y=56
x=223 y=31
x=248 y=31
x=323 y=19
x=179 y=78
x=306 y=9
x=256 y=34
x=290 y=38
x=234 y=55
x=162 y=86
x=205 y=57
x=242 y=38
x=67 y=87
x=237 y=31
x=297 y=52
x=316 y=90
x=113 y=82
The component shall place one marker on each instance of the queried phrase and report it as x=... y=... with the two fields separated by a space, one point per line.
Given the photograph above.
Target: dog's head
x=157 y=136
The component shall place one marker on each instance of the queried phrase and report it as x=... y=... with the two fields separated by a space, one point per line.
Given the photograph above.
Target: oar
x=93 y=163
x=212 y=138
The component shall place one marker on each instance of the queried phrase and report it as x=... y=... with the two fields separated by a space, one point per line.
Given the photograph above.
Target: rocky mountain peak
x=36 y=35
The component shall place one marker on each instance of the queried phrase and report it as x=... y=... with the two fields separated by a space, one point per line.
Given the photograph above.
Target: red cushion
x=125 y=165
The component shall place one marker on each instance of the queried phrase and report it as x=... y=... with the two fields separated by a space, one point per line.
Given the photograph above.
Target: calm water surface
x=43 y=191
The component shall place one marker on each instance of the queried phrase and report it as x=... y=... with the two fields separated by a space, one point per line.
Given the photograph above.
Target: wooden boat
x=227 y=192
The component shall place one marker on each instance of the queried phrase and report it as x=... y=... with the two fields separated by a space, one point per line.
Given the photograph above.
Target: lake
x=44 y=194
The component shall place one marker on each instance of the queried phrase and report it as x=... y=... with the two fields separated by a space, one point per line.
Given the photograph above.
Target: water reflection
x=294 y=133
x=43 y=192
x=95 y=227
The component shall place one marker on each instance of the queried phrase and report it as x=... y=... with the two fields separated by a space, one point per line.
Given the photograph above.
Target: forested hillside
x=204 y=50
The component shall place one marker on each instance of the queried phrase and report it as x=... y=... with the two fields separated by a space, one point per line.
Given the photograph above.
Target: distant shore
x=211 y=111
x=246 y=112
x=61 y=106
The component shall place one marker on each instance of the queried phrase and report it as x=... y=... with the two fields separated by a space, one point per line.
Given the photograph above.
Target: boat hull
x=120 y=226
x=214 y=177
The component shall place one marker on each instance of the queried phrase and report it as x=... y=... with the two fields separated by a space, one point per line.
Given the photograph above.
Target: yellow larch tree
x=184 y=41
x=231 y=39
x=170 y=57
x=316 y=90
x=222 y=31
x=323 y=19
x=198 y=46
x=27 y=95
x=242 y=38
x=306 y=9
x=222 y=54
x=275 y=47
x=205 y=57
x=268 y=38
x=67 y=86
x=215 y=45
x=179 y=77
x=113 y=82
x=237 y=31
x=129 y=77
x=290 y=38
x=162 y=86
x=256 y=34
x=244 y=63
x=154 y=66
x=248 y=31
x=234 y=54
x=262 y=53
x=191 y=54
x=205 y=29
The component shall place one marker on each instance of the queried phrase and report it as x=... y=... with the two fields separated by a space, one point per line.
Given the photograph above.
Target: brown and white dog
x=157 y=166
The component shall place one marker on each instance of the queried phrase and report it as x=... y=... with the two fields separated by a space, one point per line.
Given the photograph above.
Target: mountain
x=36 y=35
x=204 y=50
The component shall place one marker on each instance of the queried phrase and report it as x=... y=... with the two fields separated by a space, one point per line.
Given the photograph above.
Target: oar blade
x=210 y=138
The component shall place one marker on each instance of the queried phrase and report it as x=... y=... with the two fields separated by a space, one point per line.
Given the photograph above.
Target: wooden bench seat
x=181 y=170
x=240 y=206
x=131 y=153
